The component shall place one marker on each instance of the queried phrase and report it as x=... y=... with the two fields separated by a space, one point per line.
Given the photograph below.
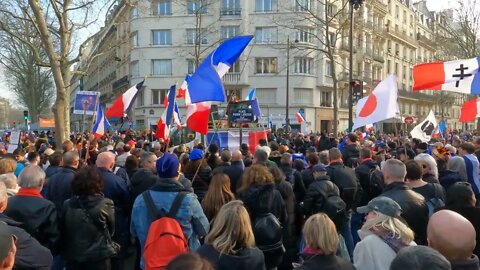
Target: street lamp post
x=287 y=119
x=354 y=5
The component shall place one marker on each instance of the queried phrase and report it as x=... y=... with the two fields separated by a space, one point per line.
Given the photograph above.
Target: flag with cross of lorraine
x=460 y=76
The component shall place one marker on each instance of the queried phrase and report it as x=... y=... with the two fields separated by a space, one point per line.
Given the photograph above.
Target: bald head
x=106 y=160
x=236 y=155
x=451 y=234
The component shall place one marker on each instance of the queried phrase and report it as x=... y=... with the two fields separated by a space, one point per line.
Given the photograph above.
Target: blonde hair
x=320 y=233
x=393 y=225
x=231 y=230
x=7 y=165
x=218 y=194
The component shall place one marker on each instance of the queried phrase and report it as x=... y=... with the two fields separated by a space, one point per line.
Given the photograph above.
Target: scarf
x=29 y=192
x=391 y=240
x=312 y=251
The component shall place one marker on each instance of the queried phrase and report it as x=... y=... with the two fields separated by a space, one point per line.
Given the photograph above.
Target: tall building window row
x=158 y=95
x=266 y=65
x=303 y=65
x=197 y=36
x=303 y=95
x=230 y=31
x=303 y=5
x=230 y=7
x=266 y=35
x=162 y=7
x=161 y=37
x=266 y=95
x=161 y=67
x=266 y=5
x=197 y=7
x=304 y=34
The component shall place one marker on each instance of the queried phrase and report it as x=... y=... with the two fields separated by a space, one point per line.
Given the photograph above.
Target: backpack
x=375 y=182
x=435 y=202
x=165 y=238
x=346 y=181
x=335 y=208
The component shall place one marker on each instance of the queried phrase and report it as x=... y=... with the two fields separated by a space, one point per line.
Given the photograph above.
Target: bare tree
x=54 y=21
x=327 y=17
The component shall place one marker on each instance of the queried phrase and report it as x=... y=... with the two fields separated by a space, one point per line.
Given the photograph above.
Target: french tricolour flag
x=176 y=116
x=456 y=76
x=123 y=104
x=300 y=117
x=470 y=110
x=231 y=139
x=163 y=125
x=205 y=85
x=101 y=124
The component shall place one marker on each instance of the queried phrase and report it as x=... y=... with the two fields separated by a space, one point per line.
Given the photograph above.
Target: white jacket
x=372 y=253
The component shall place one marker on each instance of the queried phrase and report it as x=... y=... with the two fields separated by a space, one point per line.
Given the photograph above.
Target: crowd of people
x=310 y=201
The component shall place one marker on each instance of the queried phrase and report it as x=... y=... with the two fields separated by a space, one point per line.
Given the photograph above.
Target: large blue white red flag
x=231 y=139
x=101 y=124
x=163 y=125
x=460 y=76
x=176 y=116
x=300 y=117
x=124 y=103
x=205 y=85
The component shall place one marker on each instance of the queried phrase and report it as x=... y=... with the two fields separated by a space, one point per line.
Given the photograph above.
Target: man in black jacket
x=234 y=170
x=363 y=172
x=414 y=208
x=350 y=151
x=293 y=176
x=37 y=215
x=58 y=187
x=30 y=254
x=146 y=176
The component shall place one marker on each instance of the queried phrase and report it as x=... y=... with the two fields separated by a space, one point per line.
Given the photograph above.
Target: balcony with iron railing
x=379 y=56
x=380 y=4
x=231 y=12
x=423 y=40
x=232 y=78
x=401 y=34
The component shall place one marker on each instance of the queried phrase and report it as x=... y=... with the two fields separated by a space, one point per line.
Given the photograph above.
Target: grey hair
x=31 y=177
x=9 y=179
x=395 y=168
x=323 y=155
x=145 y=156
x=430 y=161
x=69 y=158
x=418 y=258
x=3 y=192
x=457 y=164
x=226 y=155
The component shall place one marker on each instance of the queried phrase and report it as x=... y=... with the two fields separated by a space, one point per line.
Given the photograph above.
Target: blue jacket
x=190 y=215
x=58 y=187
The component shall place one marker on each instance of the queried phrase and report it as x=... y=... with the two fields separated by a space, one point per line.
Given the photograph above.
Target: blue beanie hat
x=196 y=154
x=167 y=166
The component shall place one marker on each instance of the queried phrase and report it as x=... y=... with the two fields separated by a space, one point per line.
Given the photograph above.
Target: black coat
x=315 y=197
x=363 y=175
x=257 y=199
x=201 y=182
x=297 y=182
x=307 y=177
x=244 y=259
x=448 y=178
x=324 y=262
x=350 y=152
x=235 y=172
x=142 y=180
x=59 y=187
x=414 y=208
x=288 y=197
x=30 y=253
x=323 y=144
x=86 y=234
x=38 y=217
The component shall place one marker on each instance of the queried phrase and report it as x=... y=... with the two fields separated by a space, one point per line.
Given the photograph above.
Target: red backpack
x=165 y=238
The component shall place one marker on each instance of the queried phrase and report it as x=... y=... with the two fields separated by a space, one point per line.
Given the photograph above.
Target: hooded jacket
x=244 y=259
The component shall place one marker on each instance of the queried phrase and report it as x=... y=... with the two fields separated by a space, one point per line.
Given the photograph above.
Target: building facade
x=164 y=40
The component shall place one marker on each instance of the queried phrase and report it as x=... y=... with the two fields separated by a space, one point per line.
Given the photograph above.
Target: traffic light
x=357 y=89
x=25 y=115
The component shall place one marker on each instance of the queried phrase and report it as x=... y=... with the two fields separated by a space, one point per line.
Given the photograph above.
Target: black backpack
x=346 y=181
x=335 y=208
x=375 y=182
x=268 y=232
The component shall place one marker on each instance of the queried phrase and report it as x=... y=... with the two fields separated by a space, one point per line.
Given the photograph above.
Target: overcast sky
x=432 y=5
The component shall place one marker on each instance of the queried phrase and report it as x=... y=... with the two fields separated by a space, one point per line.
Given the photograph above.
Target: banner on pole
x=85 y=102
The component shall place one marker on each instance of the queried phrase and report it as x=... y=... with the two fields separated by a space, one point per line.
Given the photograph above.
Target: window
x=266 y=95
x=266 y=35
x=396 y=69
x=389 y=69
x=134 y=13
x=134 y=39
x=134 y=68
x=158 y=95
x=190 y=66
x=332 y=38
x=162 y=37
x=235 y=68
x=199 y=6
x=161 y=67
x=266 y=65
x=328 y=68
x=230 y=7
x=230 y=31
x=162 y=7
x=265 y=5
x=304 y=34
x=303 y=65
x=140 y=101
x=404 y=72
x=303 y=95
x=192 y=36
x=326 y=99
x=331 y=10
x=302 y=5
